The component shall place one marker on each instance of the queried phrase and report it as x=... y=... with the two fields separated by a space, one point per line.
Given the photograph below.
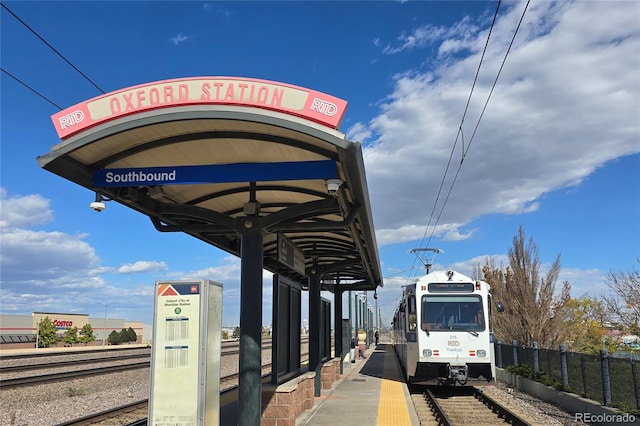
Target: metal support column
x=337 y=321
x=314 y=328
x=250 y=380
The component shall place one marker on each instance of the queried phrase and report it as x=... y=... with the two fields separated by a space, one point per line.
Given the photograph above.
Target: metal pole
x=337 y=295
x=104 y=330
x=366 y=322
x=38 y=333
x=314 y=328
x=377 y=317
x=250 y=357
x=350 y=319
x=356 y=302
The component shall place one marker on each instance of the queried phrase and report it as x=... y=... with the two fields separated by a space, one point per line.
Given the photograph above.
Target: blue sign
x=218 y=173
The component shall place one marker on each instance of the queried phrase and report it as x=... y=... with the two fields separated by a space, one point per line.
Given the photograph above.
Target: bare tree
x=623 y=300
x=532 y=308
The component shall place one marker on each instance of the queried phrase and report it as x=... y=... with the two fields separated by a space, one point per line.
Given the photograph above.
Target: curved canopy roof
x=240 y=165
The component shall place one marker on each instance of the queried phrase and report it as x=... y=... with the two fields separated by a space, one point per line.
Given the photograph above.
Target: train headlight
x=426 y=352
x=481 y=353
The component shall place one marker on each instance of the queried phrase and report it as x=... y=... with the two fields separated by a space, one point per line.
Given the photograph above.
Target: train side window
x=412 y=319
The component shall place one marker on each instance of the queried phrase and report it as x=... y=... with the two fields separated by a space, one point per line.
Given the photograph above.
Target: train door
x=492 y=349
x=412 y=334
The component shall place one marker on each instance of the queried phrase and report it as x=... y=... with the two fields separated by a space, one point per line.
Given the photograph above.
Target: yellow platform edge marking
x=392 y=406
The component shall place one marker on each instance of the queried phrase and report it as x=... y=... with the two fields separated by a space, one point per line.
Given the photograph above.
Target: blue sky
x=557 y=149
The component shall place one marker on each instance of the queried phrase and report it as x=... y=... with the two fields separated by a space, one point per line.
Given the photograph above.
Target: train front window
x=452 y=313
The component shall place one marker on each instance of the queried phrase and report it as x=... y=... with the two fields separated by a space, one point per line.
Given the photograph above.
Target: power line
x=455 y=142
x=460 y=132
x=52 y=48
x=479 y=119
x=31 y=88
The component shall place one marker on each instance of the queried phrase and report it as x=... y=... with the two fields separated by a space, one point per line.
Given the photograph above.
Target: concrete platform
x=370 y=391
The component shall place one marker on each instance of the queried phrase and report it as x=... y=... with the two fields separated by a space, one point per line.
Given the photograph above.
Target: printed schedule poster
x=180 y=324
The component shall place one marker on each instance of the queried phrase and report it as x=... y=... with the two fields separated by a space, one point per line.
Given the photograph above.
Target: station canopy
x=214 y=157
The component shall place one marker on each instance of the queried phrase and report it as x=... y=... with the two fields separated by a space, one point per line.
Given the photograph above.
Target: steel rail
x=500 y=410
x=503 y=412
x=70 y=363
x=44 y=378
x=436 y=409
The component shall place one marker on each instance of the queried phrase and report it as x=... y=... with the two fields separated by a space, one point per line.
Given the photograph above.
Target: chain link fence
x=612 y=381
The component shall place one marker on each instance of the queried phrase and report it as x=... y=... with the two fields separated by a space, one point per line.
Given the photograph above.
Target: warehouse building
x=20 y=331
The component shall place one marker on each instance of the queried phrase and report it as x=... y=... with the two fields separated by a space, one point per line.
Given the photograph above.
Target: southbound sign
x=218 y=173
x=310 y=104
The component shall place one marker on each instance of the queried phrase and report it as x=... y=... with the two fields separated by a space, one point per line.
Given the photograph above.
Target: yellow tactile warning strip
x=392 y=406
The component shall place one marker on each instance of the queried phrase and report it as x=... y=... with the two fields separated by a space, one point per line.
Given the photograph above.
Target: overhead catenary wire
x=52 y=48
x=460 y=130
x=31 y=88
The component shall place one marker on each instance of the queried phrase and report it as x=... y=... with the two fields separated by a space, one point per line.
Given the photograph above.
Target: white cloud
x=180 y=38
x=358 y=132
x=566 y=103
x=460 y=36
x=142 y=266
x=23 y=211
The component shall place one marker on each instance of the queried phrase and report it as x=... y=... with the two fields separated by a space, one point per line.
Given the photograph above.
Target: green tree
x=87 y=335
x=70 y=336
x=131 y=335
x=584 y=328
x=533 y=312
x=623 y=300
x=236 y=333
x=47 y=333
x=225 y=334
x=114 y=338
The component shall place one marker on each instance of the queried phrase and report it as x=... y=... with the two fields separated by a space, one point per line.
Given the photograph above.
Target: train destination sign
x=306 y=103
x=215 y=173
x=451 y=287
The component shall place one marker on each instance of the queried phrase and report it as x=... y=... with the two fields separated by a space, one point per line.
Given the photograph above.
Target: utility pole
x=106 y=305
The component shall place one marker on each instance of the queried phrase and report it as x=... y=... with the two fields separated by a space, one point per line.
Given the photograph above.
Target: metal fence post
x=514 y=344
x=634 y=375
x=536 y=362
x=498 y=353
x=584 y=376
x=606 y=378
x=563 y=368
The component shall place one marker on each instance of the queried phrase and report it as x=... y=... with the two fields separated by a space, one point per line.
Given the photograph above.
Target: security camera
x=333 y=185
x=98 y=206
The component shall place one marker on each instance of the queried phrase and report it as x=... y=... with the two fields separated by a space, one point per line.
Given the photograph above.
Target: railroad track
x=135 y=414
x=72 y=370
x=444 y=406
x=54 y=377
x=56 y=364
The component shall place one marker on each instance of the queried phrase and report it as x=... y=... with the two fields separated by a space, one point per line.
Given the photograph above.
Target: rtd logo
x=324 y=107
x=59 y=323
x=71 y=119
x=453 y=343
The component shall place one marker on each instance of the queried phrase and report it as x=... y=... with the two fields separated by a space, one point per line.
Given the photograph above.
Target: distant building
x=19 y=331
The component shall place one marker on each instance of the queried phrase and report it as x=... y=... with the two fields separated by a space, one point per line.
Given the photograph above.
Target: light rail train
x=442 y=330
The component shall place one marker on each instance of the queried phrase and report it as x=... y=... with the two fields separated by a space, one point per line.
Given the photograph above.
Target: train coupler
x=458 y=373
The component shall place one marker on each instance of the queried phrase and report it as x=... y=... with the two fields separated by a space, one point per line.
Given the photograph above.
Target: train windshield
x=452 y=313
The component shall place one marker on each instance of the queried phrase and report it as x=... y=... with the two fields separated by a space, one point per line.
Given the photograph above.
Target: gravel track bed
x=53 y=403
x=72 y=356
x=544 y=413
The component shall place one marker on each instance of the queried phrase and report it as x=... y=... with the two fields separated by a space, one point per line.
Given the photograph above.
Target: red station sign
x=309 y=104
